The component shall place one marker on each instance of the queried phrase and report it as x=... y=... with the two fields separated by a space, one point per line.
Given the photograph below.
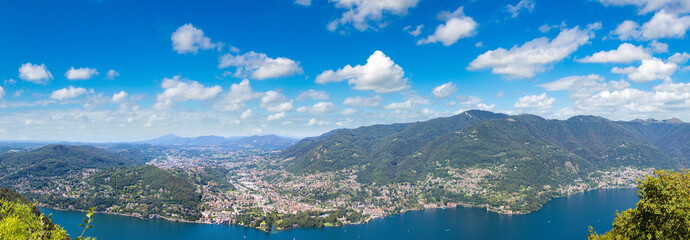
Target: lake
x=562 y=218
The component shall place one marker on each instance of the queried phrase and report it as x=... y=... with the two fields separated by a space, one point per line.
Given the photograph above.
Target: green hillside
x=58 y=160
x=407 y=152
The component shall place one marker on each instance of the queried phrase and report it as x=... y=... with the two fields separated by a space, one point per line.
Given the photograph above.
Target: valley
x=505 y=164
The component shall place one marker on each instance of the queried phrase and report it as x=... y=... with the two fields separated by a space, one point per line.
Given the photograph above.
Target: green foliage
x=22 y=220
x=663 y=211
x=86 y=225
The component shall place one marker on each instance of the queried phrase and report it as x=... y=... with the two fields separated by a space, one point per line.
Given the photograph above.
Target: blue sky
x=120 y=70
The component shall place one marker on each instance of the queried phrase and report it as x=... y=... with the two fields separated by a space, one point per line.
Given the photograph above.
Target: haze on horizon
x=97 y=71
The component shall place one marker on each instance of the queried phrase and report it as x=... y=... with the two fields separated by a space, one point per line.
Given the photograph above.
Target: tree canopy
x=663 y=211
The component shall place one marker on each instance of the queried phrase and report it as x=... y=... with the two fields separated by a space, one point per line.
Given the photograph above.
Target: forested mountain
x=57 y=160
x=533 y=150
x=266 y=142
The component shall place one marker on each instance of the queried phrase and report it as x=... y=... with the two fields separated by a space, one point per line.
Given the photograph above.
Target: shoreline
x=464 y=205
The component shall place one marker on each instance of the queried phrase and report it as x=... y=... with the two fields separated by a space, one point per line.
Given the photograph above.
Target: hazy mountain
x=267 y=142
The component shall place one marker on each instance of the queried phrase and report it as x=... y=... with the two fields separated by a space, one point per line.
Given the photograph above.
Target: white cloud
x=348 y=111
x=445 y=90
x=663 y=101
x=469 y=100
x=658 y=47
x=646 y=6
x=80 y=73
x=457 y=26
x=314 y=122
x=627 y=30
x=2 y=92
x=247 y=114
x=305 y=3
x=112 y=74
x=411 y=103
x=188 y=39
x=259 y=66
x=35 y=73
x=119 y=97
x=416 y=31
x=650 y=70
x=363 y=13
x=625 y=53
x=533 y=56
x=679 y=58
x=514 y=10
x=274 y=101
x=581 y=87
x=68 y=93
x=177 y=90
x=380 y=74
x=318 y=108
x=312 y=94
x=236 y=98
x=536 y=103
x=10 y=82
x=662 y=25
x=358 y=101
x=276 y=116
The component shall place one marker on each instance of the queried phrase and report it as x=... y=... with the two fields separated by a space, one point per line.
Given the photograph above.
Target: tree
x=663 y=211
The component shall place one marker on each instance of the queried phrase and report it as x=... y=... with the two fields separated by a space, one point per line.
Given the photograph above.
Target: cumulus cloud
x=68 y=93
x=80 y=73
x=411 y=103
x=259 y=66
x=679 y=58
x=247 y=114
x=358 y=101
x=515 y=10
x=178 y=90
x=580 y=87
x=662 y=25
x=314 y=122
x=658 y=47
x=2 y=92
x=457 y=26
x=236 y=98
x=368 y=14
x=650 y=70
x=119 y=97
x=416 y=31
x=111 y=74
x=35 y=73
x=662 y=101
x=318 y=108
x=625 y=53
x=274 y=101
x=380 y=74
x=188 y=39
x=276 y=116
x=526 y=60
x=445 y=90
x=473 y=102
x=312 y=94
x=535 y=103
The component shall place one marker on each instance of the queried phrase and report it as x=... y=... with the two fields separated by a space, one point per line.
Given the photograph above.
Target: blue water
x=562 y=218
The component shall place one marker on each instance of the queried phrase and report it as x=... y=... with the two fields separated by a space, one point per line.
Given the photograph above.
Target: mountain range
x=533 y=151
x=266 y=142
